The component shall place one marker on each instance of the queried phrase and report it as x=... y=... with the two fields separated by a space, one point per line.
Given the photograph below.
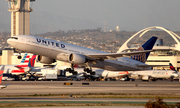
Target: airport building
x=163 y=55
x=20 y=16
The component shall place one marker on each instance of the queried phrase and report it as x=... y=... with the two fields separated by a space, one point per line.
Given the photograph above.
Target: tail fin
x=32 y=61
x=24 y=61
x=146 y=46
x=1 y=72
x=171 y=67
x=23 y=66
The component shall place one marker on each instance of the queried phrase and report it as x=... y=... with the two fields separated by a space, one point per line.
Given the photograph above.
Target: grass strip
x=62 y=104
x=102 y=95
x=112 y=102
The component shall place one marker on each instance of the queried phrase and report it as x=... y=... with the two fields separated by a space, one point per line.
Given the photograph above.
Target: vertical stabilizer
x=148 y=45
x=32 y=61
x=1 y=73
x=171 y=67
x=24 y=61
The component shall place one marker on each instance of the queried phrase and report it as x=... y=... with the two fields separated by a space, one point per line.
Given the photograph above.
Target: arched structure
x=142 y=32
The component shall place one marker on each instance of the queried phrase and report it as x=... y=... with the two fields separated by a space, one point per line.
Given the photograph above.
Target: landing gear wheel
x=92 y=73
x=75 y=73
x=88 y=70
x=19 y=57
x=70 y=70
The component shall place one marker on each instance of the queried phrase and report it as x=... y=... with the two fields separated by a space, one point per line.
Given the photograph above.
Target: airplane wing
x=152 y=65
x=18 y=67
x=115 y=55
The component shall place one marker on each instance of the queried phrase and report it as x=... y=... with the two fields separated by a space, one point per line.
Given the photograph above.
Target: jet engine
x=45 y=60
x=77 y=58
x=146 y=78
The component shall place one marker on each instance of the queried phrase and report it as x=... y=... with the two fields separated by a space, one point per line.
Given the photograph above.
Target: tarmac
x=59 y=87
x=84 y=87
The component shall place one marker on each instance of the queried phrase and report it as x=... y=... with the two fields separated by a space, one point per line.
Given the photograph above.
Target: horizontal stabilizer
x=152 y=65
x=18 y=67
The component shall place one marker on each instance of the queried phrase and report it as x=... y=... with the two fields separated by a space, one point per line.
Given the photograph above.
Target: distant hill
x=97 y=39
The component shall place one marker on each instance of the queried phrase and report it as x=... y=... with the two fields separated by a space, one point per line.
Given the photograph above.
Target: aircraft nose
x=11 y=42
x=8 y=41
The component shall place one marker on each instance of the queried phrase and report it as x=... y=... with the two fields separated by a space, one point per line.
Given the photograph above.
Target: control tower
x=20 y=16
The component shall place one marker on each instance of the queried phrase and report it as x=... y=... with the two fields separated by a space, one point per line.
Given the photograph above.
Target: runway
x=58 y=87
x=85 y=101
x=12 y=94
x=77 y=100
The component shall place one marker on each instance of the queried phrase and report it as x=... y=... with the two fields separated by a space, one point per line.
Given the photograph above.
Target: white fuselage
x=99 y=73
x=109 y=74
x=11 y=69
x=61 y=51
x=156 y=73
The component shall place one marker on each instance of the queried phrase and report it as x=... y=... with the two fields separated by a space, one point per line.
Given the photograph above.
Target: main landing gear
x=71 y=70
x=89 y=71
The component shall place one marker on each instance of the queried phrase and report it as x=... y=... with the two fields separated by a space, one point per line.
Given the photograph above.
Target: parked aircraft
x=40 y=73
x=154 y=75
x=99 y=74
x=20 y=69
x=106 y=74
x=49 y=51
x=1 y=75
x=14 y=69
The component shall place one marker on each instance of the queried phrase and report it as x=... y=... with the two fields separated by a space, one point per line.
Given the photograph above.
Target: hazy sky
x=128 y=14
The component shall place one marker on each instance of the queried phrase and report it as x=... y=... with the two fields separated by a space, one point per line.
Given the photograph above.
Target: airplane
x=147 y=75
x=37 y=73
x=1 y=75
x=100 y=74
x=15 y=71
x=49 y=51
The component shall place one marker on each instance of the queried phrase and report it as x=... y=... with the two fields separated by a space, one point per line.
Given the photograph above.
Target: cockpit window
x=14 y=38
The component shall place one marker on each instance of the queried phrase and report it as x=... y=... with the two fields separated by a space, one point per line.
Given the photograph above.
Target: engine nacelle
x=146 y=78
x=45 y=60
x=77 y=58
